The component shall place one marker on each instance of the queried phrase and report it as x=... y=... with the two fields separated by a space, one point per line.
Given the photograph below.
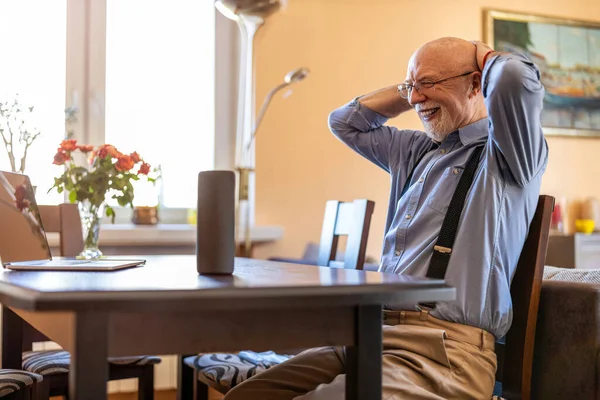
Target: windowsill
x=165 y=234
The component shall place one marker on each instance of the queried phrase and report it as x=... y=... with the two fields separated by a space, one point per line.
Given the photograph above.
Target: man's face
x=443 y=106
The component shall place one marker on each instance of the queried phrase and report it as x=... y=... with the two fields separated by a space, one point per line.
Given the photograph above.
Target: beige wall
x=353 y=47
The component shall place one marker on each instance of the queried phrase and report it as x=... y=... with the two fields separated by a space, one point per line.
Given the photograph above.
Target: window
x=140 y=73
x=160 y=89
x=33 y=68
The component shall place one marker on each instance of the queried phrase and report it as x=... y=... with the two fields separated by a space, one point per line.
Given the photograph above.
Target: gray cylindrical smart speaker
x=215 y=229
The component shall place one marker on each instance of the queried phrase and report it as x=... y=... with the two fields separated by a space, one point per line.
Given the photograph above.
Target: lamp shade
x=259 y=8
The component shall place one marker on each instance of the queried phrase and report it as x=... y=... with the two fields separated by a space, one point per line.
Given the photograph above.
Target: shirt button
x=455 y=171
x=421 y=180
x=396 y=253
x=408 y=216
x=443 y=151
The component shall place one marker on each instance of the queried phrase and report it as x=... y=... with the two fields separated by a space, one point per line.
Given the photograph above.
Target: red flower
x=144 y=169
x=89 y=183
x=108 y=150
x=124 y=163
x=68 y=145
x=20 y=198
x=61 y=157
x=135 y=157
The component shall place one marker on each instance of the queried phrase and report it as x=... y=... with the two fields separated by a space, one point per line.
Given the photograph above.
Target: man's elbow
x=514 y=76
x=337 y=122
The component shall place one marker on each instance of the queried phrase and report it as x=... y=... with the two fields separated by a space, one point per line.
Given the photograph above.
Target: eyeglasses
x=405 y=89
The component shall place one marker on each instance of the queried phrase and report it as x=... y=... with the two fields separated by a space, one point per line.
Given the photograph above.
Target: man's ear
x=475 y=84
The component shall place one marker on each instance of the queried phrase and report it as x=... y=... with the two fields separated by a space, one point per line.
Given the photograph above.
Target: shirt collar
x=476 y=131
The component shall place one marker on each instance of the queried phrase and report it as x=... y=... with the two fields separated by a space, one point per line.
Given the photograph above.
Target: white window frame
x=86 y=82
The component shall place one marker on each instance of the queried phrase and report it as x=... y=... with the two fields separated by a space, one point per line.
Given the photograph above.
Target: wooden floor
x=158 y=395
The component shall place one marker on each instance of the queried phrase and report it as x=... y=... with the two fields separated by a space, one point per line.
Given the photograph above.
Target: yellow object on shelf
x=192 y=216
x=585 y=225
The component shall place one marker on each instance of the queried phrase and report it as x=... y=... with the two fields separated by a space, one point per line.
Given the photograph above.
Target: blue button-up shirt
x=499 y=206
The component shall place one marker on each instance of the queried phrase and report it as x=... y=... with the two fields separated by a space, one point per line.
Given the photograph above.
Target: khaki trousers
x=423 y=358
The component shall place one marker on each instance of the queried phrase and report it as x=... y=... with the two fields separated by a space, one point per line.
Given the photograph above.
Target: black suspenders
x=443 y=247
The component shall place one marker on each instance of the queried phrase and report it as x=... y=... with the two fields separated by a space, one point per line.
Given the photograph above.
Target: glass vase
x=91 y=215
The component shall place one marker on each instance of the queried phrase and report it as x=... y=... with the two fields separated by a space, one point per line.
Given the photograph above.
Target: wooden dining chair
x=53 y=365
x=64 y=219
x=351 y=219
x=515 y=356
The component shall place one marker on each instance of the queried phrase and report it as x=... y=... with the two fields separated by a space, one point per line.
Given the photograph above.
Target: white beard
x=439 y=129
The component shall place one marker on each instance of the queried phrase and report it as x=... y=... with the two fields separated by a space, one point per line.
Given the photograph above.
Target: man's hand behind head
x=481 y=49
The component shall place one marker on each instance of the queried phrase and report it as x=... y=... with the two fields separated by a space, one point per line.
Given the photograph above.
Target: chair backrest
x=64 y=219
x=515 y=357
x=352 y=219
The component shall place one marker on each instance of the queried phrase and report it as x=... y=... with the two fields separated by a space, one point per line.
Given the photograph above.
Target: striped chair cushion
x=13 y=380
x=223 y=371
x=50 y=362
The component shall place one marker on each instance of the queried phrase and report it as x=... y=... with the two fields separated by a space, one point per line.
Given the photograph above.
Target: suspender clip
x=442 y=249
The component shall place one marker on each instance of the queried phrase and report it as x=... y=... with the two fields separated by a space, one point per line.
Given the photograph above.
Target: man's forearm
x=386 y=101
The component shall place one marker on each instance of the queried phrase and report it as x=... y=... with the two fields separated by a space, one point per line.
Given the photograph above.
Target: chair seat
x=13 y=380
x=49 y=362
x=223 y=371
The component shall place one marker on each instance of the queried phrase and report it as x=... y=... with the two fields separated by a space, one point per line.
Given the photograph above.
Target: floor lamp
x=250 y=16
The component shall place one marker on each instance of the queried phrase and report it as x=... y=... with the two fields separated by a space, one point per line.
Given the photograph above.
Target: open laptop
x=23 y=241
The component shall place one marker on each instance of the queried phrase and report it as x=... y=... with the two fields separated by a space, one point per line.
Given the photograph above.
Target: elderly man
x=481 y=114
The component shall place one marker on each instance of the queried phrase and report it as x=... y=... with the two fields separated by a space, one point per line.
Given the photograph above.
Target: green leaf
x=72 y=196
x=110 y=213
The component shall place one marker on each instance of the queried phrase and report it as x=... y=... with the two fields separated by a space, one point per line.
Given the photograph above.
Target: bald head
x=447 y=55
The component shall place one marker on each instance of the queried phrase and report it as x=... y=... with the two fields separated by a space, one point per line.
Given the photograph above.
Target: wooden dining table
x=166 y=307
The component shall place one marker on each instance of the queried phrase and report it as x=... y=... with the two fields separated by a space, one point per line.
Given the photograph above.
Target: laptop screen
x=22 y=235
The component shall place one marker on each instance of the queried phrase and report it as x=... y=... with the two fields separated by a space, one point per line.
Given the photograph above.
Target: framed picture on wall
x=567 y=52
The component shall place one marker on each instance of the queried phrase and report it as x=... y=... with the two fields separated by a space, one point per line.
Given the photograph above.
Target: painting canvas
x=567 y=53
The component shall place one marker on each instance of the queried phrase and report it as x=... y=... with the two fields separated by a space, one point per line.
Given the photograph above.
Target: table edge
x=27 y=299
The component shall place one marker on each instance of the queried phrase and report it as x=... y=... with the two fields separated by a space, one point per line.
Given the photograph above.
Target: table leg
x=89 y=366
x=363 y=368
x=12 y=339
x=185 y=379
